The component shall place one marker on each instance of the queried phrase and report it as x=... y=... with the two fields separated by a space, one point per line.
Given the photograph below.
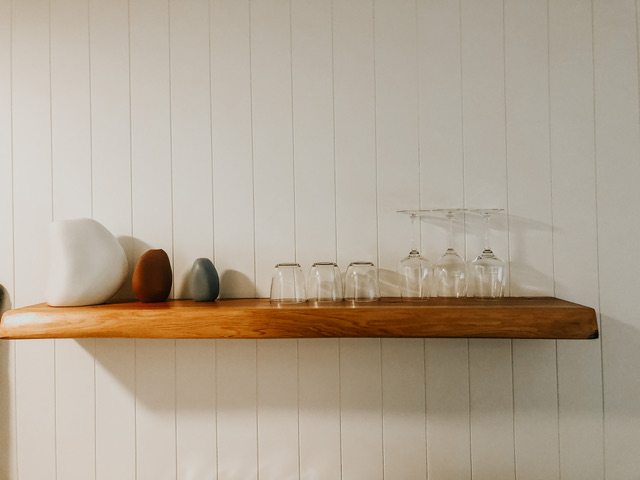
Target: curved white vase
x=87 y=265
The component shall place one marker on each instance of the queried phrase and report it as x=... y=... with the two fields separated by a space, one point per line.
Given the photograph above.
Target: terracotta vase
x=204 y=283
x=152 y=277
x=87 y=265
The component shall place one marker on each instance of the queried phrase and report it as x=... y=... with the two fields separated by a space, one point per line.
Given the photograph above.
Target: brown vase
x=152 y=277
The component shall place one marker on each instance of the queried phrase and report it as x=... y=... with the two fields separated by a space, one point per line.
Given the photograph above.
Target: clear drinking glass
x=287 y=284
x=324 y=283
x=488 y=272
x=416 y=272
x=361 y=282
x=451 y=269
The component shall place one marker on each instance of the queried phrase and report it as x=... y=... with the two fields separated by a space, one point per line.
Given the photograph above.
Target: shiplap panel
x=111 y=124
x=530 y=220
x=354 y=110
x=71 y=183
x=575 y=234
x=236 y=403
x=361 y=409
x=31 y=142
x=617 y=143
x=442 y=185
x=115 y=420
x=277 y=400
x=115 y=428
x=485 y=169
x=313 y=130
x=403 y=408
x=155 y=387
x=319 y=408
x=447 y=403
x=151 y=179
x=398 y=166
x=150 y=127
x=75 y=409
x=70 y=109
x=274 y=174
x=190 y=139
x=232 y=148
x=196 y=409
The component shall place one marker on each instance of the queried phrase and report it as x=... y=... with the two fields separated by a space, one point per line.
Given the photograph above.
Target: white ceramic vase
x=87 y=265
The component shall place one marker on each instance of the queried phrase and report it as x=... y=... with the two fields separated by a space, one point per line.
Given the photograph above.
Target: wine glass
x=416 y=272
x=488 y=272
x=451 y=269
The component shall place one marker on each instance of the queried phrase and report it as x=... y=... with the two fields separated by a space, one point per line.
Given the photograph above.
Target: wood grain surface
x=516 y=317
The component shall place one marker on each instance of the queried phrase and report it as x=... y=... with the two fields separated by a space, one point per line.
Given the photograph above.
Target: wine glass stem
x=414 y=236
x=450 y=217
x=487 y=219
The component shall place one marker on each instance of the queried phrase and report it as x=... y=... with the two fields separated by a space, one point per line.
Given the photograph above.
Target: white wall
x=266 y=131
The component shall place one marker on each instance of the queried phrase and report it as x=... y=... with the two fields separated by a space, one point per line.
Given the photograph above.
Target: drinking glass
x=287 y=284
x=416 y=272
x=451 y=269
x=361 y=282
x=488 y=272
x=324 y=283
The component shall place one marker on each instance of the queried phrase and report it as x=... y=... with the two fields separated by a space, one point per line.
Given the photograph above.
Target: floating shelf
x=514 y=317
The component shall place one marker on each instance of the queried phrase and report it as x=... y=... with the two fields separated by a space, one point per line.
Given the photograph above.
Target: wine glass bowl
x=451 y=269
x=487 y=271
x=415 y=271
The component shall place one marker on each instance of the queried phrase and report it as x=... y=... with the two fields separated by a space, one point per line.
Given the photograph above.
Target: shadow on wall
x=5 y=400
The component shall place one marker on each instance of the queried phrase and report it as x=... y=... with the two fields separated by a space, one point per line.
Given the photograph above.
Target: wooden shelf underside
x=515 y=317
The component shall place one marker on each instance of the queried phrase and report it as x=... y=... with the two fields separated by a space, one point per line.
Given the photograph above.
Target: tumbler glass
x=324 y=283
x=287 y=284
x=361 y=282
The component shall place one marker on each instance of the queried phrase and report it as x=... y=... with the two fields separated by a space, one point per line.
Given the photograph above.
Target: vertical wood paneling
x=267 y=131
x=396 y=95
x=71 y=182
x=8 y=430
x=447 y=401
x=190 y=139
x=354 y=110
x=617 y=141
x=31 y=128
x=196 y=409
x=361 y=409
x=150 y=126
x=274 y=192
x=111 y=123
x=575 y=227
x=155 y=389
x=483 y=97
x=152 y=227
x=313 y=130
x=75 y=409
x=319 y=408
x=115 y=421
x=70 y=109
x=277 y=409
x=442 y=185
x=236 y=402
x=232 y=148
x=115 y=427
x=403 y=408
x=530 y=221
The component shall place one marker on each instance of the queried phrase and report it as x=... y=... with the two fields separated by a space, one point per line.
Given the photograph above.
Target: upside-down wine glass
x=416 y=272
x=451 y=269
x=488 y=272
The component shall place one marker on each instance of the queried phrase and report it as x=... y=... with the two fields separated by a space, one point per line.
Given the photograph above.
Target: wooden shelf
x=516 y=317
